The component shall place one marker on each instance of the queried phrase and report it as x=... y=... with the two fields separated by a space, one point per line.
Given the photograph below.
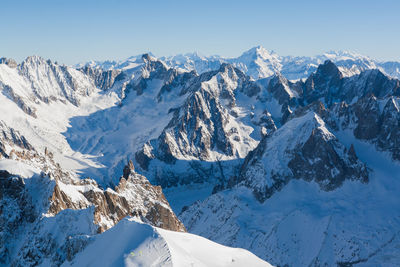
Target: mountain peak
x=260 y=52
x=225 y=66
x=146 y=57
x=328 y=68
x=34 y=60
x=343 y=54
x=195 y=54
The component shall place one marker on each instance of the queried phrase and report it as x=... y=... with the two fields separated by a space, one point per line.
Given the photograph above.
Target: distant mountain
x=259 y=63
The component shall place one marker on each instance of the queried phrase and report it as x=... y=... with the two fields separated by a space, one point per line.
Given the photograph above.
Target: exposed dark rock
x=134 y=196
x=16 y=209
x=329 y=86
x=103 y=79
x=325 y=162
x=320 y=158
x=372 y=119
x=368 y=115
x=9 y=92
x=13 y=138
x=325 y=83
x=283 y=90
x=128 y=169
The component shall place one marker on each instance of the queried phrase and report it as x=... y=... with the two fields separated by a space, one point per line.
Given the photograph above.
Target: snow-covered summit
x=259 y=63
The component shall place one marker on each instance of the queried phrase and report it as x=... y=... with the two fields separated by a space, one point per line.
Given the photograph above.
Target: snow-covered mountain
x=298 y=170
x=53 y=218
x=259 y=63
x=51 y=210
x=326 y=177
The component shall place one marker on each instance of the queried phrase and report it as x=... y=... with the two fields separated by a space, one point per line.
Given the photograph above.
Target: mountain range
x=294 y=159
x=259 y=63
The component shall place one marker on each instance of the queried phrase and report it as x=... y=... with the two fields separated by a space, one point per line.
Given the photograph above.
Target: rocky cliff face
x=51 y=82
x=284 y=91
x=303 y=148
x=103 y=79
x=372 y=119
x=10 y=138
x=36 y=81
x=327 y=85
x=206 y=129
x=133 y=196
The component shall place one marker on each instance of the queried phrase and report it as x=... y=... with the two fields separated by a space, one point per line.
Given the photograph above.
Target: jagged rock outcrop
x=367 y=113
x=21 y=102
x=206 y=128
x=372 y=119
x=284 y=91
x=305 y=149
x=329 y=85
x=103 y=79
x=16 y=209
x=151 y=69
x=133 y=196
x=37 y=80
x=9 y=138
x=51 y=82
x=176 y=81
x=197 y=129
x=325 y=83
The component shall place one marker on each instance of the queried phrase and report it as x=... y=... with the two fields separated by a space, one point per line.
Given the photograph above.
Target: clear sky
x=75 y=31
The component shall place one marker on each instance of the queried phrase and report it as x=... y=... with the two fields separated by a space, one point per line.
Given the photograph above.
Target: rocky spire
x=128 y=169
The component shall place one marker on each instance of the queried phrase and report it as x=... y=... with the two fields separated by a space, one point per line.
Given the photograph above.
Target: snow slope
x=131 y=243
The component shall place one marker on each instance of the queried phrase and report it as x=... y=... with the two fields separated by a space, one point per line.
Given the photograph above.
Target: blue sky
x=75 y=31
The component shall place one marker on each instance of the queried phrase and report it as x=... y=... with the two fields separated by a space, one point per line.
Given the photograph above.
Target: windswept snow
x=131 y=243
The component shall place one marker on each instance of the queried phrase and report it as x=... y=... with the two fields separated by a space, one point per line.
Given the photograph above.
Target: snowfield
x=133 y=244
